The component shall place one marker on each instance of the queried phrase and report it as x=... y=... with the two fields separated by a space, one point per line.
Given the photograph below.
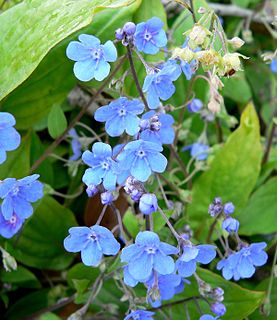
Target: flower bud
x=129 y=28
x=236 y=42
x=148 y=203
x=91 y=190
x=119 y=34
x=214 y=106
x=230 y=225
x=218 y=294
x=228 y=208
x=195 y=105
x=208 y=58
x=185 y=54
x=198 y=35
x=106 y=198
x=9 y=262
x=218 y=308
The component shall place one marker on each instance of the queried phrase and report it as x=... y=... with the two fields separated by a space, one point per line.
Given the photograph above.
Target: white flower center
x=147 y=36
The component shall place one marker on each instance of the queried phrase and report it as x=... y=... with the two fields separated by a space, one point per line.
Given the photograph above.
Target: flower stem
x=176 y=235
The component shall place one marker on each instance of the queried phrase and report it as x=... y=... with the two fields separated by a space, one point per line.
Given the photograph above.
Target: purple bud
x=155 y=124
x=195 y=105
x=129 y=28
x=144 y=124
x=148 y=203
x=214 y=210
x=229 y=208
x=106 y=198
x=134 y=188
x=136 y=195
x=119 y=34
x=218 y=294
x=218 y=308
x=91 y=190
x=217 y=200
x=230 y=225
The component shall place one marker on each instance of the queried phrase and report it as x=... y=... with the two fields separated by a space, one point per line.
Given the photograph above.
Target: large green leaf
x=232 y=174
x=17 y=164
x=56 y=121
x=40 y=244
x=51 y=82
x=30 y=29
x=259 y=216
x=239 y=302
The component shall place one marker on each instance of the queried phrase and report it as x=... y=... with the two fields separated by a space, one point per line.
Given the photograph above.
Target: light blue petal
x=102 y=70
x=27 y=180
x=132 y=125
x=7 y=208
x=141 y=268
x=102 y=149
x=206 y=253
x=9 y=139
x=245 y=267
x=130 y=252
x=146 y=238
x=6 y=186
x=32 y=192
x=154 y=24
x=109 y=181
x=115 y=126
x=141 y=169
x=6 y=120
x=157 y=162
x=91 y=255
x=3 y=155
x=189 y=253
x=128 y=279
x=259 y=259
x=84 y=70
x=160 y=39
x=186 y=269
x=109 y=245
x=152 y=98
x=165 y=89
x=168 y=248
x=75 y=243
x=148 y=81
x=89 y=40
x=91 y=177
x=150 y=48
x=135 y=106
x=102 y=114
x=163 y=264
x=110 y=52
x=76 y=51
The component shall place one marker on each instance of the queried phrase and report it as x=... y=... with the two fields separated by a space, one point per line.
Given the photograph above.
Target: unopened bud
x=9 y=261
x=202 y=10
x=236 y=42
x=185 y=54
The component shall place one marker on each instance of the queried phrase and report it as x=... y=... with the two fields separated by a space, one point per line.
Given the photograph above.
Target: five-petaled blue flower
x=93 y=243
x=17 y=195
x=148 y=254
x=75 y=145
x=149 y=36
x=163 y=287
x=120 y=115
x=8 y=228
x=9 y=137
x=141 y=158
x=157 y=127
x=158 y=85
x=103 y=167
x=91 y=57
x=273 y=65
x=242 y=263
x=186 y=263
x=140 y=315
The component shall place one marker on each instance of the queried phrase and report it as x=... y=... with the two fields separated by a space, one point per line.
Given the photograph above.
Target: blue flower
x=186 y=263
x=93 y=243
x=148 y=203
x=273 y=65
x=140 y=315
x=18 y=194
x=162 y=287
x=242 y=263
x=230 y=225
x=103 y=167
x=120 y=115
x=195 y=105
x=207 y=317
x=228 y=208
x=91 y=57
x=75 y=145
x=141 y=158
x=157 y=127
x=149 y=36
x=9 y=137
x=158 y=85
x=198 y=151
x=8 y=228
x=148 y=254
x=218 y=308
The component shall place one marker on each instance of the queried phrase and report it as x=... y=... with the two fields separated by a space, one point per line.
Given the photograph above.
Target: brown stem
x=134 y=74
x=55 y=143
x=211 y=230
x=192 y=11
x=218 y=131
x=269 y=143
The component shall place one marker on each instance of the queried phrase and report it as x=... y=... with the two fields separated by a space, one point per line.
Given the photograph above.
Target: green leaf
x=158 y=220
x=40 y=244
x=51 y=82
x=132 y=223
x=232 y=174
x=30 y=29
x=17 y=164
x=259 y=216
x=237 y=88
x=239 y=302
x=21 y=277
x=82 y=272
x=56 y=121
